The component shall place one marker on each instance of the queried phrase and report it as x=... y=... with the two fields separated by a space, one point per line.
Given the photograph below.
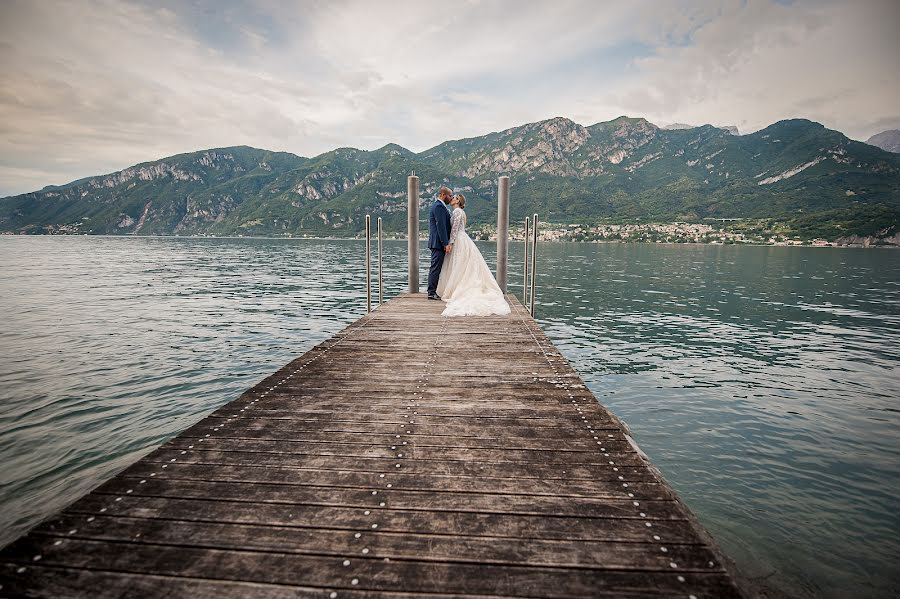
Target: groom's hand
x=448 y=248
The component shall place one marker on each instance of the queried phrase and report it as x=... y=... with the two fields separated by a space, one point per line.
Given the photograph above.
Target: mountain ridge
x=676 y=126
x=886 y=140
x=625 y=168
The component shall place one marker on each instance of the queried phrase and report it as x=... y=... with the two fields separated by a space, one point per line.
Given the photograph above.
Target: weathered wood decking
x=408 y=456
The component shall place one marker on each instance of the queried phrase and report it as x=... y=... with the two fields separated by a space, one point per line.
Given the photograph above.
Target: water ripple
x=762 y=381
x=765 y=392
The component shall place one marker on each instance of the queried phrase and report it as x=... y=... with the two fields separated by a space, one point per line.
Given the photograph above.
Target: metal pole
x=368 y=264
x=525 y=264
x=412 y=190
x=502 y=230
x=380 y=276
x=533 y=256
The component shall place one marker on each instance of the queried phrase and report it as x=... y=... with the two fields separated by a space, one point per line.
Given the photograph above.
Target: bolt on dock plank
x=410 y=455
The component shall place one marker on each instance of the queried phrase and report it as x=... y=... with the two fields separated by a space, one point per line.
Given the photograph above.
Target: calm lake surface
x=762 y=381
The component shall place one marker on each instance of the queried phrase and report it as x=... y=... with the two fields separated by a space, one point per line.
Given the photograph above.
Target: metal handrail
x=380 y=275
x=533 y=261
x=525 y=264
x=502 y=231
x=368 y=264
x=412 y=228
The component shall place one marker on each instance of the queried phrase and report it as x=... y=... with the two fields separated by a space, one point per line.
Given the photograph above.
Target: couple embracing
x=459 y=275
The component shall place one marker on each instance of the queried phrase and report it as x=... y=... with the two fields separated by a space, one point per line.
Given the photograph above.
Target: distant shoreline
x=512 y=240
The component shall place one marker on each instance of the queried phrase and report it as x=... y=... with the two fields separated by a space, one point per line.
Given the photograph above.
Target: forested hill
x=624 y=169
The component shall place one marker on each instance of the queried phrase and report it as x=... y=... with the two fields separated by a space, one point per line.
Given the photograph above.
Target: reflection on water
x=762 y=381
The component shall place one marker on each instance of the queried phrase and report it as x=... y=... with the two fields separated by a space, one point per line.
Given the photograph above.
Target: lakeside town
x=721 y=232
x=718 y=232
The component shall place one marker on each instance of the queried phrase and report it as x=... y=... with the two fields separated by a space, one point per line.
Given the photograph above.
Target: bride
x=466 y=283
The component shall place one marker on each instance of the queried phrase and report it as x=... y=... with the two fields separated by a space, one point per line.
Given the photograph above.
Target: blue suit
x=438 y=238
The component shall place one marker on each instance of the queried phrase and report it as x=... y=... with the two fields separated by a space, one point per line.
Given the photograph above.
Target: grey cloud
x=98 y=85
x=764 y=61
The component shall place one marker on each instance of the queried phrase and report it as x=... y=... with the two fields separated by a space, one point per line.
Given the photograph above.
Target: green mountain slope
x=187 y=192
x=796 y=171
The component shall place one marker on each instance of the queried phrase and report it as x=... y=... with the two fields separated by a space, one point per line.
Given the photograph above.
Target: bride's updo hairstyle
x=461 y=199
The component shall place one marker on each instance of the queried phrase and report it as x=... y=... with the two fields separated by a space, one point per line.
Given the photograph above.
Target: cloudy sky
x=93 y=86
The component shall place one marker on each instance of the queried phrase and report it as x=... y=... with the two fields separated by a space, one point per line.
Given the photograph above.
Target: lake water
x=762 y=381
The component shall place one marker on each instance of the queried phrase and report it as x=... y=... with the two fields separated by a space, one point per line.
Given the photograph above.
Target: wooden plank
x=298 y=448
x=439 y=421
x=457 y=468
x=373 y=574
x=411 y=482
x=509 y=526
x=289 y=431
x=373 y=424
x=369 y=468
x=54 y=582
x=593 y=507
x=423 y=438
x=604 y=555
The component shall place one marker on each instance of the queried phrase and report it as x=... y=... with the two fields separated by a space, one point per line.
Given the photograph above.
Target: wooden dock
x=408 y=456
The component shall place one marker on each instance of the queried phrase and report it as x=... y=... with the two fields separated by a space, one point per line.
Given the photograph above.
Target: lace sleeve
x=457 y=223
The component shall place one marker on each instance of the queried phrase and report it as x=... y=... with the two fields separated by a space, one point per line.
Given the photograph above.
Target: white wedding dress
x=466 y=282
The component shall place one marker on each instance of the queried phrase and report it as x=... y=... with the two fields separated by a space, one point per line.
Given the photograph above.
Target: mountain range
x=807 y=177
x=886 y=140
x=729 y=128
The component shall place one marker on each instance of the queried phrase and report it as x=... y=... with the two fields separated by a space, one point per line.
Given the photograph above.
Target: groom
x=438 y=239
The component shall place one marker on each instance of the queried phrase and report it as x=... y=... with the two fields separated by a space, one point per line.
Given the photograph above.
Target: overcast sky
x=93 y=86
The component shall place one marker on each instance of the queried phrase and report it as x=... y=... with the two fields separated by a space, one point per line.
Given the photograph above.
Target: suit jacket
x=438 y=226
